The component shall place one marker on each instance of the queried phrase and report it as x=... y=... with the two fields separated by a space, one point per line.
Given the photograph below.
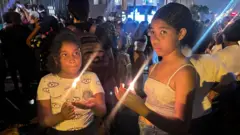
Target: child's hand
x=87 y=104
x=119 y=92
x=67 y=111
x=132 y=101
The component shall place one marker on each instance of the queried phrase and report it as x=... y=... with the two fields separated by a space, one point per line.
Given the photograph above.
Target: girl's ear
x=182 y=33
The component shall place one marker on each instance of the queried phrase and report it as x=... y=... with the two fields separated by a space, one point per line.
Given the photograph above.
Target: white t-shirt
x=210 y=70
x=54 y=88
x=230 y=57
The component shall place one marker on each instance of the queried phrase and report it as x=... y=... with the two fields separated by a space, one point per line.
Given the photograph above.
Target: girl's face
x=70 y=59
x=164 y=38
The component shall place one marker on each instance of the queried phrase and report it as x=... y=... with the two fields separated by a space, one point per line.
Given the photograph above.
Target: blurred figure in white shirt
x=214 y=76
x=230 y=55
x=218 y=45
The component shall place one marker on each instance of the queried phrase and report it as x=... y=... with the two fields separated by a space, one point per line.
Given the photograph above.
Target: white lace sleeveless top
x=160 y=96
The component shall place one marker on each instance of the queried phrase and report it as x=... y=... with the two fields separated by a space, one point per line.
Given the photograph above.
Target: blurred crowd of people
x=177 y=96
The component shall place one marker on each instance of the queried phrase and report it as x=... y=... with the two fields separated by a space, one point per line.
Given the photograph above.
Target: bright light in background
x=234 y=14
x=230 y=4
x=138 y=16
x=8 y=5
x=219 y=18
x=230 y=22
x=124 y=17
x=153 y=12
x=151 y=16
x=117 y=2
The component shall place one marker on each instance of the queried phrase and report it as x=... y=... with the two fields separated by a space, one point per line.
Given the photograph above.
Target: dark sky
x=215 y=5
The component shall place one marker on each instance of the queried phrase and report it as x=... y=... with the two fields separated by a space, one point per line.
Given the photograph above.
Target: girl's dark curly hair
x=53 y=63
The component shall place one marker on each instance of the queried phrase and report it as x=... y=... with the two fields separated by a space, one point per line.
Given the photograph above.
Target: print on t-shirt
x=46 y=90
x=54 y=88
x=86 y=80
x=52 y=84
x=87 y=94
x=98 y=82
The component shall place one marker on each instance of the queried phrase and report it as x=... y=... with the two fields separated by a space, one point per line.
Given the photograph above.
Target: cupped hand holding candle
x=85 y=104
x=132 y=101
x=67 y=111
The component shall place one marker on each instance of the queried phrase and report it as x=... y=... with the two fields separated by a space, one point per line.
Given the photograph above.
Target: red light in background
x=234 y=13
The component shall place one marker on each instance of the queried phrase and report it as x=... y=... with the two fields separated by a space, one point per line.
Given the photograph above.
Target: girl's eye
x=150 y=32
x=163 y=32
x=63 y=54
x=76 y=53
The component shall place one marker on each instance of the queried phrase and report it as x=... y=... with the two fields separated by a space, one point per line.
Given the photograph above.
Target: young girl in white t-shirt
x=67 y=110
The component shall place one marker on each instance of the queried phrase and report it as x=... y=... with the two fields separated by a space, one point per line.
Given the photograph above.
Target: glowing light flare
x=76 y=80
x=130 y=88
x=212 y=25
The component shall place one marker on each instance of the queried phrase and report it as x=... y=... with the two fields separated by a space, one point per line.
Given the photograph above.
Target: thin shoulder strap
x=152 y=69
x=169 y=80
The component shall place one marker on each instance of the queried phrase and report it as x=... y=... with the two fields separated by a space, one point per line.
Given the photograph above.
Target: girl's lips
x=157 y=49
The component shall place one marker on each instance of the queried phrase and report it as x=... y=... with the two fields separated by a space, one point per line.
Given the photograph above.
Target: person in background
x=124 y=65
x=66 y=110
x=42 y=12
x=2 y=72
x=171 y=84
x=140 y=44
x=50 y=28
x=34 y=26
x=218 y=43
x=215 y=79
x=79 y=10
x=214 y=76
x=100 y=20
x=139 y=59
x=230 y=54
x=121 y=37
x=18 y=55
x=81 y=27
x=89 y=45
